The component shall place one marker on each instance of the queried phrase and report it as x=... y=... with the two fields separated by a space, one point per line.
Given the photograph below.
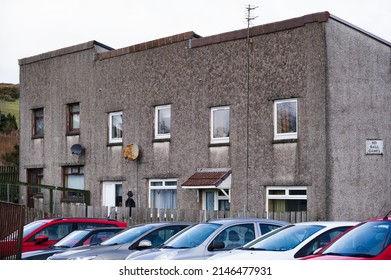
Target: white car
x=290 y=242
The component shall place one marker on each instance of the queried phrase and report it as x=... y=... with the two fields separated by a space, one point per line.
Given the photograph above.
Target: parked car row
x=227 y=239
x=43 y=233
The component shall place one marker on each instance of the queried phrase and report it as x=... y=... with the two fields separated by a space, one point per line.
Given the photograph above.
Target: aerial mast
x=249 y=19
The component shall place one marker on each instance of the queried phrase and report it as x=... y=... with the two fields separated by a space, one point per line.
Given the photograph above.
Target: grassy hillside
x=11 y=107
x=9 y=104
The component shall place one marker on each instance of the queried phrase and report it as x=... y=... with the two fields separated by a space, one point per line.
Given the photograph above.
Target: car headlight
x=167 y=256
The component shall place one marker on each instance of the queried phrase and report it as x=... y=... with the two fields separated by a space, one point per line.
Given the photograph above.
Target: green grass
x=11 y=107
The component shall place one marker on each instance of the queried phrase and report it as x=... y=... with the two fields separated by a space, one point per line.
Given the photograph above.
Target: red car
x=41 y=234
x=369 y=240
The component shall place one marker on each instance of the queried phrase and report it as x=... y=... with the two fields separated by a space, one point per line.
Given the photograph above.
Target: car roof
x=165 y=223
x=328 y=223
x=379 y=219
x=77 y=218
x=100 y=229
x=235 y=220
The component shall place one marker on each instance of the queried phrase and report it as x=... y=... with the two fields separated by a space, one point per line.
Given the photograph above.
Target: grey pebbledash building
x=294 y=117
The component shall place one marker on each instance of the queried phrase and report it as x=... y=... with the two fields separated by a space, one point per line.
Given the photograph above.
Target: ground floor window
x=216 y=200
x=286 y=199
x=112 y=194
x=162 y=193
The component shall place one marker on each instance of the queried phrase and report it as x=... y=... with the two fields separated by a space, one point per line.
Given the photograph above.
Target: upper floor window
x=220 y=124
x=285 y=119
x=115 y=127
x=73 y=118
x=38 y=122
x=163 y=122
x=162 y=193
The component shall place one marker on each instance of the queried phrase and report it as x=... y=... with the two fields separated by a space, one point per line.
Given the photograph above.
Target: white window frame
x=114 y=139
x=222 y=139
x=285 y=135
x=109 y=194
x=162 y=187
x=285 y=196
x=157 y=134
x=74 y=174
x=226 y=196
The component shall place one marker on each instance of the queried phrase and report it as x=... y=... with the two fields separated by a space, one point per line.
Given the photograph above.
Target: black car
x=139 y=237
x=77 y=238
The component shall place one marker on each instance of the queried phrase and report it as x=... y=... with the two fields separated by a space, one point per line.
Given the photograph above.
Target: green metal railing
x=10 y=192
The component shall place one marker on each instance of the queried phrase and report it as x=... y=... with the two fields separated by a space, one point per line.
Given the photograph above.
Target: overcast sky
x=32 y=27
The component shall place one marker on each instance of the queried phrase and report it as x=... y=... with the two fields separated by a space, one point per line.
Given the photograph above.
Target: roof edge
x=149 y=45
x=64 y=51
x=261 y=29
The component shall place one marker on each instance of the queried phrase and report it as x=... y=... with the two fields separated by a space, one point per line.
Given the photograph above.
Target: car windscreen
x=192 y=237
x=71 y=239
x=29 y=228
x=284 y=239
x=366 y=240
x=128 y=235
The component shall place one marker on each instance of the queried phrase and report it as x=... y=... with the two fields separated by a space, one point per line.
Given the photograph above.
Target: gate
x=11 y=230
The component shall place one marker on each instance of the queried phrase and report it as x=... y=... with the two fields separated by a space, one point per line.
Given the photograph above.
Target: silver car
x=203 y=240
x=119 y=246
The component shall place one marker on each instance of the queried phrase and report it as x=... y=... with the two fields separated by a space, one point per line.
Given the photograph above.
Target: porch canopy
x=209 y=178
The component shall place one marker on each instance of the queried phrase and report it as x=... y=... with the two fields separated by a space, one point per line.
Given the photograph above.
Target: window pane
x=210 y=200
x=297 y=192
x=286 y=117
x=276 y=205
x=116 y=127
x=287 y=205
x=75 y=108
x=163 y=199
x=39 y=125
x=164 y=121
x=170 y=183
x=296 y=205
x=115 y=132
x=76 y=182
x=118 y=195
x=224 y=205
x=75 y=121
x=277 y=192
x=220 y=123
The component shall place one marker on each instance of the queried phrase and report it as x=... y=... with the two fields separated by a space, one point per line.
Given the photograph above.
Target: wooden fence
x=11 y=228
x=147 y=215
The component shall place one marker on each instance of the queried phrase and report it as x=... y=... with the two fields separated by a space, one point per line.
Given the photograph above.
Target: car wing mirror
x=144 y=244
x=41 y=239
x=216 y=245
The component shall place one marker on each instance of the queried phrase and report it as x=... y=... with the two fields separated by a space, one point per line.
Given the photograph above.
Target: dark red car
x=41 y=234
x=369 y=240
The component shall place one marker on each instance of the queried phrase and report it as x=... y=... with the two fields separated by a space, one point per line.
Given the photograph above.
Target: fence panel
x=11 y=230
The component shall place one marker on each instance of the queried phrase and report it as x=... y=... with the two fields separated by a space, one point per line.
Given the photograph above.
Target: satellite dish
x=77 y=149
x=131 y=151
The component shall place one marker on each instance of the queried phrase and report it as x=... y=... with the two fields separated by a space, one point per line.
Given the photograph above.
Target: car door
x=229 y=238
x=47 y=236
